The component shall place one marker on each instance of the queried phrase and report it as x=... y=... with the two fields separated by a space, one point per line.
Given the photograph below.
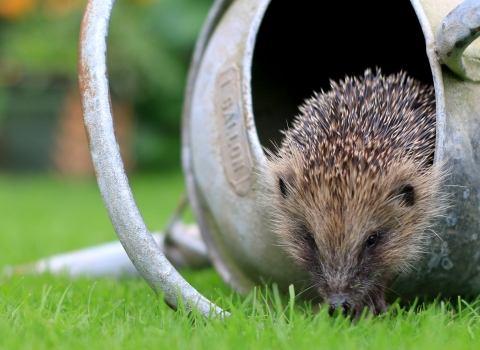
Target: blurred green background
x=149 y=48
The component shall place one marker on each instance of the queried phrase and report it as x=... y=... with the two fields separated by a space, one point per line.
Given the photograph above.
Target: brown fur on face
x=354 y=188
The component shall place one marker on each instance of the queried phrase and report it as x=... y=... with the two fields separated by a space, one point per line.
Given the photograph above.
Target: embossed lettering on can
x=237 y=160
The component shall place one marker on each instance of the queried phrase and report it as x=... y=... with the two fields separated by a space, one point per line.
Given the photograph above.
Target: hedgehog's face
x=353 y=187
x=354 y=239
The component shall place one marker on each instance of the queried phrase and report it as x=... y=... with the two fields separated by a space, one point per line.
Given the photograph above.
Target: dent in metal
x=112 y=181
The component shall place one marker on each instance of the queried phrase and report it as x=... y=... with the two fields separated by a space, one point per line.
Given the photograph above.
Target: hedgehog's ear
x=285 y=182
x=406 y=194
x=283 y=187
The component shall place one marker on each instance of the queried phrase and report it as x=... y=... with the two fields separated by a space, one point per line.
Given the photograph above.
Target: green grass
x=43 y=215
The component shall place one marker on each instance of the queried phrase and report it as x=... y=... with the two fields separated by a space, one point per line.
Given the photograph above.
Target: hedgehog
x=353 y=189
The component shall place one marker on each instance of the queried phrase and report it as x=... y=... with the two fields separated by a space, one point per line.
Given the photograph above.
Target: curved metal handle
x=117 y=196
x=458 y=30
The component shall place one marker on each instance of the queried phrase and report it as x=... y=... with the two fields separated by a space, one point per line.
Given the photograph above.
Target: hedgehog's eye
x=371 y=240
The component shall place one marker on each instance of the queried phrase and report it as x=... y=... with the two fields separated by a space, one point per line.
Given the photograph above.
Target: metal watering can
x=223 y=142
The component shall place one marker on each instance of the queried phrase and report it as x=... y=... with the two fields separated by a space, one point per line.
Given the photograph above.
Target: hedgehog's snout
x=339 y=302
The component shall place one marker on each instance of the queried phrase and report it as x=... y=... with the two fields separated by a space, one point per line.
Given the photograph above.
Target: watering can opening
x=299 y=49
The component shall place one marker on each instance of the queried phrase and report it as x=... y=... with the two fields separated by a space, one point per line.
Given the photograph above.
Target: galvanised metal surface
x=222 y=156
x=453 y=267
x=456 y=32
x=219 y=161
x=112 y=181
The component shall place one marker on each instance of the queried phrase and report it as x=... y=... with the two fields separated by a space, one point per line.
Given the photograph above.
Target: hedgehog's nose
x=339 y=303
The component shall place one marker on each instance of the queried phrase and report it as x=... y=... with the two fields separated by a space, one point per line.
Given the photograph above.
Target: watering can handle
x=458 y=30
x=117 y=196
